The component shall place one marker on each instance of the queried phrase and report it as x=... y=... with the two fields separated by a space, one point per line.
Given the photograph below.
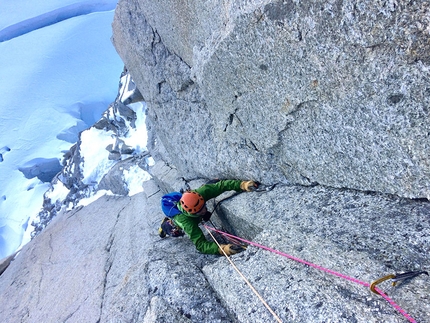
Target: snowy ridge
x=54 y=16
x=119 y=136
x=58 y=82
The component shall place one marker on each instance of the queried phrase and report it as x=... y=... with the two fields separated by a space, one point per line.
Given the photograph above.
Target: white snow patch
x=91 y=199
x=134 y=177
x=96 y=158
x=55 y=81
x=138 y=137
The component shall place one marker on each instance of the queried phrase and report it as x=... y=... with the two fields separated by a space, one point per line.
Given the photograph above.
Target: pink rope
x=329 y=271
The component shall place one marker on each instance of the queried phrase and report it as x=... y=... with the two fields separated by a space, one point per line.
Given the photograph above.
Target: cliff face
x=109 y=266
x=106 y=263
x=330 y=93
x=327 y=101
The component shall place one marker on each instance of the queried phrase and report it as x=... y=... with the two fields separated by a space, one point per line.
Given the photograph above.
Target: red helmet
x=192 y=202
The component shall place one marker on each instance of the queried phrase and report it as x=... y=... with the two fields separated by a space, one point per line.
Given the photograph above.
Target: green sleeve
x=190 y=223
x=191 y=227
x=209 y=191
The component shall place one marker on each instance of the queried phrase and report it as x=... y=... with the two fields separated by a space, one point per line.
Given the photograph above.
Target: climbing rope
x=329 y=271
x=244 y=278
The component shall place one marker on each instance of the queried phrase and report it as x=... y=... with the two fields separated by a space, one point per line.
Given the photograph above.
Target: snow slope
x=54 y=16
x=59 y=72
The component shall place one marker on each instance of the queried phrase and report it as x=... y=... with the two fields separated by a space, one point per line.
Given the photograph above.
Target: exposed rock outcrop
x=90 y=265
x=334 y=93
x=118 y=120
x=106 y=263
x=328 y=101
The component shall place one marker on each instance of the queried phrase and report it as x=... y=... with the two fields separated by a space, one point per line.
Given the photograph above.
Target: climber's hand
x=248 y=186
x=228 y=249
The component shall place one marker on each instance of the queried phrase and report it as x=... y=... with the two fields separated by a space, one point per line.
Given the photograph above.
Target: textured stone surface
x=364 y=236
x=65 y=266
x=334 y=93
x=106 y=263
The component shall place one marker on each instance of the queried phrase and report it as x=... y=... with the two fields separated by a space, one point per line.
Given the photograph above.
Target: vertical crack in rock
x=218 y=297
x=153 y=194
x=159 y=86
x=109 y=261
x=42 y=274
x=40 y=284
x=50 y=248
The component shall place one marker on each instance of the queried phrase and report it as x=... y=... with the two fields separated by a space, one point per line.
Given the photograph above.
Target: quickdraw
x=396 y=278
x=378 y=281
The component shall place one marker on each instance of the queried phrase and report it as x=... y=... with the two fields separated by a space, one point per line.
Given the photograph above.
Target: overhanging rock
x=286 y=91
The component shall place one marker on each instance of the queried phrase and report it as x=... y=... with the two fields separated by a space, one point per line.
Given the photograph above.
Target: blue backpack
x=169 y=205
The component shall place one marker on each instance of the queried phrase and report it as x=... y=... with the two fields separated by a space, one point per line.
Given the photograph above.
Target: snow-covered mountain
x=59 y=74
x=118 y=138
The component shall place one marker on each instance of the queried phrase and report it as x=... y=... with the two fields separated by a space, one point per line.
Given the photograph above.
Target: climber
x=192 y=210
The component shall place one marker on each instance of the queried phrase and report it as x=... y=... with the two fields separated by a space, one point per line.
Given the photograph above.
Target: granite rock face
x=334 y=93
x=327 y=101
x=364 y=236
x=106 y=263
x=358 y=235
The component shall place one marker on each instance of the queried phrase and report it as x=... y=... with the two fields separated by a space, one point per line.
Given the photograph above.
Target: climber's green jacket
x=190 y=222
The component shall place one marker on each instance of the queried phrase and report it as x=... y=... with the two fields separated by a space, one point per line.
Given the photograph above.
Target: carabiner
x=396 y=278
x=378 y=281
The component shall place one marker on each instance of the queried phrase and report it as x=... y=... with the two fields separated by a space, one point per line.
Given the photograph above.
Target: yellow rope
x=246 y=280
